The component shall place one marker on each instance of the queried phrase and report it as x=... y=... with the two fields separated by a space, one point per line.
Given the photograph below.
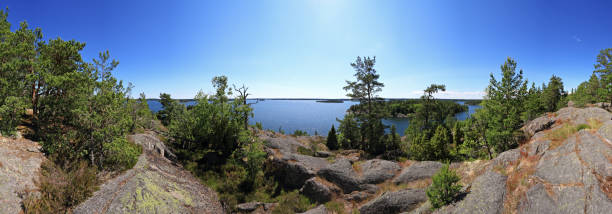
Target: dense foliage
x=406 y=108
x=599 y=86
x=77 y=110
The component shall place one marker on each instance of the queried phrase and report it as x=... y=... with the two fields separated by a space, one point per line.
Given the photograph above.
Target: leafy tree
x=10 y=114
x=210 y=131
x=220 y=85
x=141 y=113
x=332 y=140
x=171 y=109
x=444 y=187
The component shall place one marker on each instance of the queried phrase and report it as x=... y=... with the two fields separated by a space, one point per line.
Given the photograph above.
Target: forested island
x=81 y=115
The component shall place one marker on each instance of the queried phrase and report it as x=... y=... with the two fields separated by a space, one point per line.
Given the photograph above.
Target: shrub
x=305 y=151
x=10 y=115
x=444 y=188
x=336 y=207
x=332 y=139
x=292 y=202
x=258 y=125
x=121 y=154
x=559 y=135
x=60 y=188
x=582 y=126
x=300 y=133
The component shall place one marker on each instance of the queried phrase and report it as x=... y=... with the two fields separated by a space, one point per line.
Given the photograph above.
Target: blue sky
x=302 y=49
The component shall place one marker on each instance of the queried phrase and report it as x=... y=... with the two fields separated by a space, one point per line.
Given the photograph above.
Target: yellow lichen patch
x=594 y=123
x=152 y=195
x=558 y=136
x=357 y=167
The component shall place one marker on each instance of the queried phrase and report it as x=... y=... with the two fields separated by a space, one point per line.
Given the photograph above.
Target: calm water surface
x=307 y=115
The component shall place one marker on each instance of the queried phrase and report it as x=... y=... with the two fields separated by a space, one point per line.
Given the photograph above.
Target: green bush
x=10 y=115
x=582 y=126
x=121 y=154
x=292 y=202
x=444 y=188
x=305 y=151
x=61 y=188
x=336 y=207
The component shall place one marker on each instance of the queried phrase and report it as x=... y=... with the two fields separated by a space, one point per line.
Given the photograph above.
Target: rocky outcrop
x=150 y=142
x=154 y=185
x=317 y=210
x=565 y=166
x=255 y=207
x=294 y=169
x=394 y=202
x=537 y=125
x=486 y=196
x=20 y=161
x=376 y=171
x=319 y=190
x=561 y=169
x=417 y=171
x=342 y=174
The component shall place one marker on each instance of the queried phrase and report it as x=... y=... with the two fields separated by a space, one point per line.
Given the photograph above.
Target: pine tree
x=444 y=187
x=366 y=88
x=504 y=105
x=332 y=140
x=604 y=69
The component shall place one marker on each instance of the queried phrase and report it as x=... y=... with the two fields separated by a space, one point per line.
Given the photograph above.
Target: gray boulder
x=286 y=144
x=342 y=174
x=505 y=159
x=486 y=196
x=395 y=202
x=606 y=130
x=319 y=190
x=149 y=141
x=249 y=206
x=377 y=171
x=538 y=124
x=317 y=210
x=417 y=171
x=357 y=197
x=294 y=169
x=323 y=154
